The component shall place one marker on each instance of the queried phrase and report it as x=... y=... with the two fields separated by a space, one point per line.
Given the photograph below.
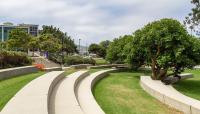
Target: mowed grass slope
x=190 y=87
x=120 y=93
x=9 y=87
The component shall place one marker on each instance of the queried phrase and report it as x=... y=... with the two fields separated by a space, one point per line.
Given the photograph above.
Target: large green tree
x=49 y=43
x=167 y=45
x=64 y=40
x=193 y=18
x=18 y=40
x=115 y=50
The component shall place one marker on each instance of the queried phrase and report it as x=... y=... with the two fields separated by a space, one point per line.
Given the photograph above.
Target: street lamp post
x=79 y=46
x=62 y=61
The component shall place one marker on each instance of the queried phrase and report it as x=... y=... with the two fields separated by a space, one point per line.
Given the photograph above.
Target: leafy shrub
x=89 y=61
x=13 y=59
x=40 y=66
x=74 y=60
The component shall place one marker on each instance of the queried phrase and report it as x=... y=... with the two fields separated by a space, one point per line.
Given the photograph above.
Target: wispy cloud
x=92 y=20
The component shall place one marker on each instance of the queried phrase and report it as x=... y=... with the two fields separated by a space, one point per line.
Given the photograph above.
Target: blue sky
x=92 y=20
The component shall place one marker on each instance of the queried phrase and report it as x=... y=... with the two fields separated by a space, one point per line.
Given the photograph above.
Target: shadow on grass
x=189 y=87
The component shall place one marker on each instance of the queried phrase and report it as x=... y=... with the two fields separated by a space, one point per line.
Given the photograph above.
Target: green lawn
x=100 y=61
x=190 y=87
x=9 y=87
x=96 y=70
x=70 y=71
x=120 y=93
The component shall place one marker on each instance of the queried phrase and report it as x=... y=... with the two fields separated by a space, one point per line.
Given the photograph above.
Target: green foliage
x=167 y=44
x=49 y=43
x=73 y=60
x=193 y=18
x=115 y=49
x=94 y=48
x=105 y=44
x=3 y=45
x=13 y=59
x=18 y=40
x=135 y=54
x=68 y=44
x=97 y=49
x=56 y=42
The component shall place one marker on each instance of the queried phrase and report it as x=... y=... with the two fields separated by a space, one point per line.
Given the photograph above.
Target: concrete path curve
x=63 y=98
x=85 y=96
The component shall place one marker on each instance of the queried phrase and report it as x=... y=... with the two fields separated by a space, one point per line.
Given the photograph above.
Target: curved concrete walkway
x=63 y=99
x=53 y=93
x=84 y=93
x=170 y=96
x=34 y=97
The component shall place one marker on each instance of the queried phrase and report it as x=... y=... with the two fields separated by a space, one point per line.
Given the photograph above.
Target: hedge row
x=74 y=60
x=13 y=59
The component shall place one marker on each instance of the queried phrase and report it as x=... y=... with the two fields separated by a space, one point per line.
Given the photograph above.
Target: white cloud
x=92 y=20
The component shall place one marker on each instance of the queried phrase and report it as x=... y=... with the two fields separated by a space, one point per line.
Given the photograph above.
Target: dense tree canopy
x=115 y=50
x=164 y=45
x=18 y=40
x=49 y=43
x=167 y=44
x=193 y=18
x=64 y=40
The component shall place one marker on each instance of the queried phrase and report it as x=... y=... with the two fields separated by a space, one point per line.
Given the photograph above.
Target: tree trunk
x=153 y=68
x=162 y=74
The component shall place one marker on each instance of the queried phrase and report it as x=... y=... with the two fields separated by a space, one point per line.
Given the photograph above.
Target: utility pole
x=79 y=46
x=62 y=62
x=86 y=49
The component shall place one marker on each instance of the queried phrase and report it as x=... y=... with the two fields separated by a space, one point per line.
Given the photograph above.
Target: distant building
x=7 y=27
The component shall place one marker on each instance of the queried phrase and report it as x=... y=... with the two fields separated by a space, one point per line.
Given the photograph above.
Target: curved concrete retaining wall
x=170 y=96
x=34 y=97
x=53 y=69
x=85 y=96
x=80 y=66
x=107 y=66
x=11 y=72
x=63 y=99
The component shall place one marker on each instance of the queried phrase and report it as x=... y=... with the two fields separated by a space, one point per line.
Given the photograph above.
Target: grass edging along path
x=190 y=87
x=120 y=93
x=9 y=87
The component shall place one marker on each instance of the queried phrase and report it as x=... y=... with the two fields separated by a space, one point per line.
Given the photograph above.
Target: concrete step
x=63 y=99
x=47 y=63
x=34 y=97
x=84 y=93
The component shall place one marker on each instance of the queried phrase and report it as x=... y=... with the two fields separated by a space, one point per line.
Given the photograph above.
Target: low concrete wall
x=107 y=66
x=53 y=69
x=80 y=66
x=11 y=72
x=170 y=96
x=63 y=99
x=85 y=95
x=34 y=98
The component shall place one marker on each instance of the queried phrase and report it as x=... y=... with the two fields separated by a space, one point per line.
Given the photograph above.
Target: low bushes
x=74 y=60
x=13 y=59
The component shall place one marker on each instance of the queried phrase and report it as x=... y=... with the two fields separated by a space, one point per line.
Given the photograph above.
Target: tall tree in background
x=68 y=44
x=193 y=19
x=115 y=50
x=48 y=43
x=18 y=40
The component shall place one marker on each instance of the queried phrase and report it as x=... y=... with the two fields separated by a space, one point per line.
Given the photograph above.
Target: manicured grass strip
x=98 y=69
x=9 y=87
x=70 y=71
x=190 y=87
x=120 y=93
